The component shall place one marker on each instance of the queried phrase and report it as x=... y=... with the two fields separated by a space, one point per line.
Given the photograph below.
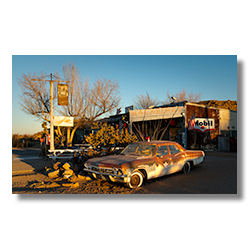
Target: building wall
x=155 y=114
x=207 y=140
x=228 y=121
x=165 y=123
x=227 y=140
x=224 y=143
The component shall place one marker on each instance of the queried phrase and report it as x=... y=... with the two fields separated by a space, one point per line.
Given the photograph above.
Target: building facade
x=193 y=126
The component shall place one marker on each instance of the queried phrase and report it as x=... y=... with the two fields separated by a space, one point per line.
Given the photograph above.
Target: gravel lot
x=216 y=175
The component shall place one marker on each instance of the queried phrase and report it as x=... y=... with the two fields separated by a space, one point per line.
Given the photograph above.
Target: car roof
x=157 y=142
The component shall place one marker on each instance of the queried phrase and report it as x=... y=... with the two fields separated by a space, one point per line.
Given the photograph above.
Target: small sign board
x=63 y=121
x=204 y=124
x=63 y=94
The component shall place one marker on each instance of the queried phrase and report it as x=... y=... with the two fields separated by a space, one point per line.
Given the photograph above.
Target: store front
x=193 y=126
x=161 y=123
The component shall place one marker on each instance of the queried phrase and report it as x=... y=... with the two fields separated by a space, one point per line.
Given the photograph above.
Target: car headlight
x=88 y=166
x=120 y=172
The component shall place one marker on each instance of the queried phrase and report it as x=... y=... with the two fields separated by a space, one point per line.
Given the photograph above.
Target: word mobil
x=204 y=124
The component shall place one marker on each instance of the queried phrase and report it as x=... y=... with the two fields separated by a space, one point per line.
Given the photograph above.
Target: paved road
x=216 y=175
x=27 y=159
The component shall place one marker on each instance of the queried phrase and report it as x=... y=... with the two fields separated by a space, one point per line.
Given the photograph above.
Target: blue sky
x=214 y=76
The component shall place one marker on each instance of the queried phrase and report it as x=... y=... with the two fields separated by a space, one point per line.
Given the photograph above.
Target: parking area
x=216 y=175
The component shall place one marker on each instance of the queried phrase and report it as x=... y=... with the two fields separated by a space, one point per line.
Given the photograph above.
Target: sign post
x=52 y=147
x=63 y=94
x=63 y=121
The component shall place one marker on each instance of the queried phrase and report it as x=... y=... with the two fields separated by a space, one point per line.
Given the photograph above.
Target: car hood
x=119 y=160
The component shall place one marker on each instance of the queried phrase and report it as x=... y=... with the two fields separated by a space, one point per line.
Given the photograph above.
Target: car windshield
x=139 y=149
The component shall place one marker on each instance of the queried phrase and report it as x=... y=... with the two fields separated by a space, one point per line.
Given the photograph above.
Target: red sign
x=172 y=123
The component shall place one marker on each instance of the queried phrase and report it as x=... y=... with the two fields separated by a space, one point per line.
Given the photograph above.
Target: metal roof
x=157 y=142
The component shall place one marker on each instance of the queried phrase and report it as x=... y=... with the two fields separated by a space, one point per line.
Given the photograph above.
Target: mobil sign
x=204 y=124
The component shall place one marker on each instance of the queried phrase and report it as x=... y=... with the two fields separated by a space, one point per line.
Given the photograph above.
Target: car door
x=178 y=159
x=163 y=161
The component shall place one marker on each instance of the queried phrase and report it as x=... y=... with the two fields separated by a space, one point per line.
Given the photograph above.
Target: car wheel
x=136 y=180
x=186 y=167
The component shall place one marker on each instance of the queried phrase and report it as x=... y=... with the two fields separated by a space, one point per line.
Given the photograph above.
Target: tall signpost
x=52 y=146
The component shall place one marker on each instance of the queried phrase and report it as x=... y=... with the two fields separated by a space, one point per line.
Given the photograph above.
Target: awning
x=156 y=114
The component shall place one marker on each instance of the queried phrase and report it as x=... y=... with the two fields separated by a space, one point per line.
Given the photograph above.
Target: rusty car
x=141 y=161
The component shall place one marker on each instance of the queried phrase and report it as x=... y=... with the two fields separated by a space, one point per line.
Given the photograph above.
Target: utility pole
x=52 y=146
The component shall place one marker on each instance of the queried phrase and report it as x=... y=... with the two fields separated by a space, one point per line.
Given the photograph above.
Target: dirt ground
x=216 y=175
x=40 y=183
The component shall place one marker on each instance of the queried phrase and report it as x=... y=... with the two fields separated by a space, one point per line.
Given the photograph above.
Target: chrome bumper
x=108 y=174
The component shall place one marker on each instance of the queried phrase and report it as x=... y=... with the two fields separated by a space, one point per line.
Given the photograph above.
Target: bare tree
x=35 y=99
x=86 y=102
x=182 y=95
x=145 y=101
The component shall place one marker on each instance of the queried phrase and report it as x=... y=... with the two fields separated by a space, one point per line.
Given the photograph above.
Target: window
x=173 y=149
x=162 y=150
x=139 y=149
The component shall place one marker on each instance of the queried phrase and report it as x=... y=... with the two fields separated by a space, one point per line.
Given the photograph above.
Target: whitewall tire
x=135 y=180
